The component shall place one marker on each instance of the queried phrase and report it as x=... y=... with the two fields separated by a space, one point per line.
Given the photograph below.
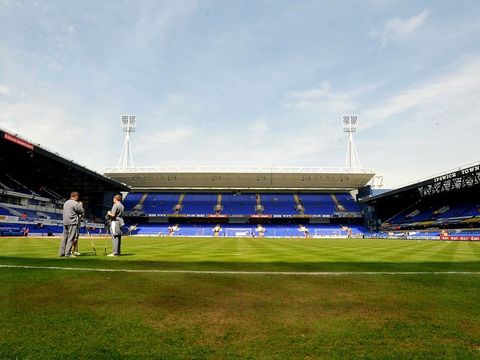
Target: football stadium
x=223 y=231
x=237 y=262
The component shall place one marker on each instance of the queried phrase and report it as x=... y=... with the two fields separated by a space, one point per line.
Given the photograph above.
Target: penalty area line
x=227 y=272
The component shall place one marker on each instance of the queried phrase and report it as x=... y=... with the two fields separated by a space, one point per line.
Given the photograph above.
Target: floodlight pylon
x=128 y=124
x=352 y=160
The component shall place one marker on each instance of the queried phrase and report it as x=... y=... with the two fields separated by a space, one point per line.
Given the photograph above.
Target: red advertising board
x=460 y=238
x=18 y=141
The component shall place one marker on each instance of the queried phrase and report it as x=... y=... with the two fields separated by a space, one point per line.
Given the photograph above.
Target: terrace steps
x=299 y=204
x=179 y=205
x=338 y=206
x=218 y=206
x=139 y=206
x=258 y=202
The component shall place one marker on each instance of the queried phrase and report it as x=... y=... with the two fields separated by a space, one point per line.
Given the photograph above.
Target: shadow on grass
x=87 y=253
x=124 y=262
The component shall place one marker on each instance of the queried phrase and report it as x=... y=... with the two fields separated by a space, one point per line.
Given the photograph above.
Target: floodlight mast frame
x=350 y=124
x=128 y=124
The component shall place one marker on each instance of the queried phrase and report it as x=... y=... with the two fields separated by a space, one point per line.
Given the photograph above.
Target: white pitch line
x=226 y=272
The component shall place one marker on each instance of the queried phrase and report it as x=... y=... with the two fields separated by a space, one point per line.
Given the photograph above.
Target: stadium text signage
x=445 y=177
x=261 y=216
x=470 y=170
x=18 y=141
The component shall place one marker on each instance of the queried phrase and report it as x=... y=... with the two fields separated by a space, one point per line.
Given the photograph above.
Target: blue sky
x=247 y=83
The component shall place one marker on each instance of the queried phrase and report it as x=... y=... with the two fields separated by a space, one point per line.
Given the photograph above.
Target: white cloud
x=61 y=129
x=170 y=137
x=258 y=129
x=427 y=128
x=442 y=92
x=399 y=29
x=36 y=119
x=4 y=90
x=405 y=136
x=322 y=99
x=418 y=131
x=156 y=21
x=46 y=125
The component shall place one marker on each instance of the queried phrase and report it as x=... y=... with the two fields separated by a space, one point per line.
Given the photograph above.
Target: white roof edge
x=239 y=169
x=240 y=188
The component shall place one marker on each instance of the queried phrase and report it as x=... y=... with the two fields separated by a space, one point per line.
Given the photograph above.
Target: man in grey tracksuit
x=116 y=218
x=72 y=209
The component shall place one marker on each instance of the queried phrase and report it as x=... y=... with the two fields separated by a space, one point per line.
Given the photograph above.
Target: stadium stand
x=161 y=204
x=241 y=204
x=249 y=230
x=280 y=214
x=4 y=211
x=430 y=212
x=446 y=203
x=278 y=204
x=194 y=200
x=35 y=202
x=34 y=183
x=132 y=201
x=317 y=204
x=203 y=204
x=238 y=204
x=348 y=202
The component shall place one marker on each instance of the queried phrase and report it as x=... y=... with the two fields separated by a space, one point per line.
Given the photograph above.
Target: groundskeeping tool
x=77 y=238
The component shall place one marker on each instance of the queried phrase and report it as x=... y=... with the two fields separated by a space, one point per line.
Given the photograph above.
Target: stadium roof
x=463 y=177
x=241 y=178
x=41 y=167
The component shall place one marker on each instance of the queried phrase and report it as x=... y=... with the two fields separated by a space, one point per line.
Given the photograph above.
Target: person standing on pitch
x=72 y=210
x=77 y=237
x=116 y=219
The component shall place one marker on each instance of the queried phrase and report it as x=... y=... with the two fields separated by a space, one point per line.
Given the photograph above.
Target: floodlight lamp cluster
x=350 y=123
x=129 y=123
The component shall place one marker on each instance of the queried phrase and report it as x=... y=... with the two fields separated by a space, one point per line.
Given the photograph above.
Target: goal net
x=330 y=233
x=238 y=232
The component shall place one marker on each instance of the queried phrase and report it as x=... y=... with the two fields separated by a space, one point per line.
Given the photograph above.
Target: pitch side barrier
x=460 y=238
x=425 y=237
x=300 y=236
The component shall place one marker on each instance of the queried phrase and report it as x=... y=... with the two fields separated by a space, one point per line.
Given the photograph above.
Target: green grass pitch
x=371 y=299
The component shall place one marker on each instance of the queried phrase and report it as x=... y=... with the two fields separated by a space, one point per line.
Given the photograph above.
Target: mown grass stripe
x=224 y=272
